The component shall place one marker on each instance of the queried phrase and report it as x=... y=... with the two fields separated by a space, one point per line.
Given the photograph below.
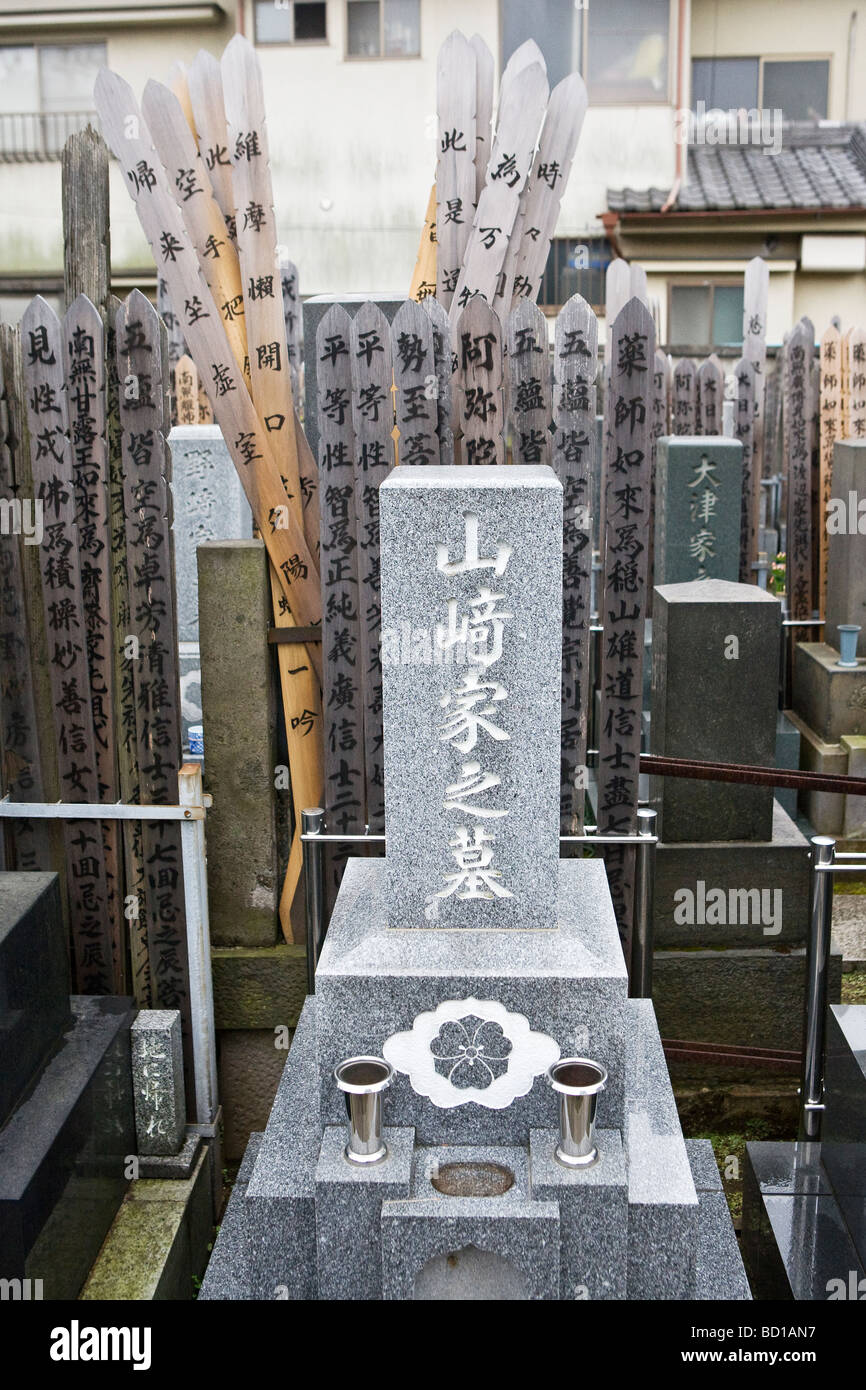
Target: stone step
x=64 y=1151
x=843 y=1147
x=796 y=1245
x=158 y=1243
x=719 y=1271
x=764 y=885
x=743 y=997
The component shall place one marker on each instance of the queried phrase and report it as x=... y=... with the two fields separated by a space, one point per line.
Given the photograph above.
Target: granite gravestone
x=714 y=697
x=698 y=503
x=846 y=542
x=209 y=505
x=472 y=581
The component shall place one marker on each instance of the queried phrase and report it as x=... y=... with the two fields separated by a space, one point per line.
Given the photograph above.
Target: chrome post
x=313 y=823
x=817 y=972
x=641 y=973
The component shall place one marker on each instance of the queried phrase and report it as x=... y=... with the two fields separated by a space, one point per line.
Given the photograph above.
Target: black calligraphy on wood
x=152 y=645
x=575 y=448
x=528 y=364
x=66 y=629
x=623 y=606
x=478 y=400
x=373 y=417
x=341 y=601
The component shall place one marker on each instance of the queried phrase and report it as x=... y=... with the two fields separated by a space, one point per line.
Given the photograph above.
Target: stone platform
x=303 y=1223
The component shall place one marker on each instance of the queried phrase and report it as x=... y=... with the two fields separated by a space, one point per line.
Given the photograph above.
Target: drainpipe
x=849 y=74
x=681 y=87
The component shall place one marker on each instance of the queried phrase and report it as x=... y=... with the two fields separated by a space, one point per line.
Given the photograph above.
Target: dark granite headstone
x=63 y=1153
x=34 y=980
x=846 y=543
x=699 y=483
x=714 y=697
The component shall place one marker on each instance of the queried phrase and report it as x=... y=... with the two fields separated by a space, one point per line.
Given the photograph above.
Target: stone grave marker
x=715 y=692
x=157 y=1081
x=472 y=565
x=209 y=505
x=697 y=509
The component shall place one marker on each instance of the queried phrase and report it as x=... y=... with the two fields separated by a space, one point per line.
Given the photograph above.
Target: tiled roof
x=818 y=166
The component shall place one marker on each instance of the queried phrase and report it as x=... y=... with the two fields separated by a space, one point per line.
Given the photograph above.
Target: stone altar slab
x=569 y=986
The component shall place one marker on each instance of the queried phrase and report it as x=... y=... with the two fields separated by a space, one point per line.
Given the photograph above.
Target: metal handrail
x=825 y=866
x=190 y=812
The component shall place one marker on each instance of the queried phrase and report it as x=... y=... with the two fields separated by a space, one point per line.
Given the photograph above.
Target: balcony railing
x=34 y=137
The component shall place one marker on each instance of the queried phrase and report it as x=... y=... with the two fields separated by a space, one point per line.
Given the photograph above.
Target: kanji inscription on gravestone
x=472 y=566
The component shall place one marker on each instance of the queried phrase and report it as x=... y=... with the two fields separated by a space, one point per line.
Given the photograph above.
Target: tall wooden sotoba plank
x=60 y=557
x=831 y=430
x=444 y=367
x=575 y=355
x=684 y=405
x=623 y=606
x=484 y=83
x=710 y=391
x=84 y=185
x=660 y=425
x=84 y=369
x=257 y=246
x=49 y=834
x=756 y=284
x=293 y=317
x=205 y=226
x=845 y=378
x=478 y=395
x=124 y=678
x=617 y=280
x=547 y=182
x=153 y=625
x=178 y=85
x=798 y=353
x=19 y=736
x=455 y=163
x=423 y=282
x=661 y=396
x=204 y=77
x=373 y=418
x=857 y=401
x=744 y=430
x=416 y=383
x=637 y=283
x=528 y=365
x=521 y=111
x=186 y=391
x=341 y=601
x=247 y=438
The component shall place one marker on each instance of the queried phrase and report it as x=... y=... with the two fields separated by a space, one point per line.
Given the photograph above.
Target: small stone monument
x=208 y=504
x=699 y=483
x=157 y=1080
